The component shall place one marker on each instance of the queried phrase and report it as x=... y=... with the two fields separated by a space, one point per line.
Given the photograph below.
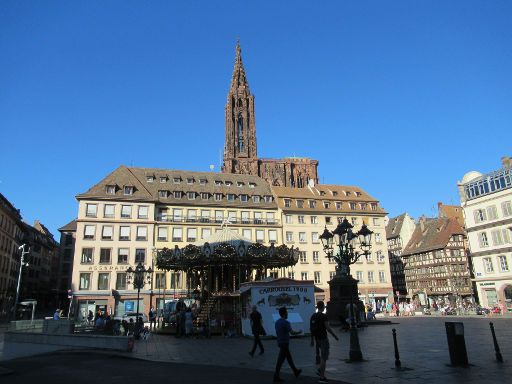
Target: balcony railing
x=217 y=220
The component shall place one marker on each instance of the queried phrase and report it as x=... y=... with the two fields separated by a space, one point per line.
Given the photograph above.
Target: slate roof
x=435 y=234
x=146 y=191
x=394 y=226
x=69 y=227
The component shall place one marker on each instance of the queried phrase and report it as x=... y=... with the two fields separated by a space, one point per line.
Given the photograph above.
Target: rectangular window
x=315 y=237
x=205 y=216
x=291 y=275
x=272 y=236
x=492 y=212
x=142 y=233
x=506 y=208
x=122 y=255
x=288 y=219
x=496 y=237
x=128 y=190
x=124 y=233
x=107 y=232
x=382 y=277
x=219 y=216
x=314 y=220
x=303 y=257
x=318 y=277
x=375 y=222
x=287 y=203
x=331 y=275
x=303 y=275
x=380 y=257
x=245 y=217
x=316 y=258
x=91 y=210
x=370 y=277
x=121 y=281
x=289 y=237
x=338 y=205
x=162 y=214
x=378 y=238
x=482 y=238
x=176 y=180
x=359 y=276
x=480 y=215
x=191 y=215
x=177 y=215
x=369 y=258
x=217 y=197
x=270 y=218
x=150 y=179
x=300 y=203
x=206 y=233
x=244 y=198
x=205 y=196
x=300 y=219
x=105 y=255
x=162 y=193
x=87 y=254
x=177 y=194
x=85 y=282
x=352 y=206
x=162 y=234
x=302 y=237
x=140 y=255
x=177 y=234
x=191 y=234
x=143 y=212
x=89 y=232
x=103 y=281
x=110 y=190
x=191 y=195
x=503 y=263
x=312 y=203
x=126 y=211
x=256 y=198
x=488 y=267
x=160 y=281
x=247 y=233
x=231 y=197
x=232 y=217
x=175 y=280
x=506 y=235
x=258 y=218
x=260 y=235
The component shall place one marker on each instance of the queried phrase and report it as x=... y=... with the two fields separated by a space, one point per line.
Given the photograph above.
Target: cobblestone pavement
x=422 y=344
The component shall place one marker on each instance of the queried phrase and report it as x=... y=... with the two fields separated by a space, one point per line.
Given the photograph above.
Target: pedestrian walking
x=319 y=326
x=283 y=332
x=257 y=330
x=152 y=318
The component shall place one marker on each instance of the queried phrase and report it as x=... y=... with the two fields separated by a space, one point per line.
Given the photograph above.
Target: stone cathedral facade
x=240 y=148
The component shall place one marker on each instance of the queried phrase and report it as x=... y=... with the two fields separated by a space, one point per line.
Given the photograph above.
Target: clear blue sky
x=401 y=98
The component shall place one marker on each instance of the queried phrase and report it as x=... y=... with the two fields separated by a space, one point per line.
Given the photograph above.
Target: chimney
x=421 y=222
x=506 y=162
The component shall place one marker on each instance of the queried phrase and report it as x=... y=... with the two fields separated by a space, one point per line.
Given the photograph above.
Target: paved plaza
x=422 y=343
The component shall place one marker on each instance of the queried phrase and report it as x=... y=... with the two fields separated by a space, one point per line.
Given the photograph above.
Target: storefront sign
x=487 y=284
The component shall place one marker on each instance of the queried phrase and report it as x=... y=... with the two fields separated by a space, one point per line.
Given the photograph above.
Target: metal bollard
x=398 y=364
x=499 y=358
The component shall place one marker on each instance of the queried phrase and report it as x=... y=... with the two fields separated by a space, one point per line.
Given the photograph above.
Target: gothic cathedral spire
x=240 y=144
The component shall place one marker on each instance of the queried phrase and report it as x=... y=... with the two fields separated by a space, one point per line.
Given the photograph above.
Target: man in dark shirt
x=283 y=332
x=257 y=330
x=319 y=326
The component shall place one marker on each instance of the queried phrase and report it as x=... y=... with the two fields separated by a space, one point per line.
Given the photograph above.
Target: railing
x=218 y=220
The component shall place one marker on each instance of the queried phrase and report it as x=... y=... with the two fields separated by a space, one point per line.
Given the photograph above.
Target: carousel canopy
x=226 y=247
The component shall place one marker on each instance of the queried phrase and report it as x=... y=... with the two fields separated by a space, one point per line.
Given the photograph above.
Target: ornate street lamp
x=139 y=276
x=343 y=238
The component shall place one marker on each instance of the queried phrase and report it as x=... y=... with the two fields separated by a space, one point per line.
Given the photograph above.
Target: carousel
x=215 y=269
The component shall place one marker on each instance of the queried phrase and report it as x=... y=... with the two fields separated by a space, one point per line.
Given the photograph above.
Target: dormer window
x=322 y=193
x=190 y=180
x=347 y=193
x=312 y=203
x=353 y=206
x=218 y=196
x=300 y=203
x=176 y=180
x=231 y=197
x=111 y=189
x=326 y=204
x=228 y=183
x=205 y=195
x=364 y=206
x=150 y=179
x=191 y=195
x=373 y=206
x=162 y=194
x=244 y=198
x=239 y=184
x=256 y=198
x=177 y=194
x=128 y=190
x=218 y=182
x=269 y=199
x=334 y=193
x=163 y=179
x=252 y=185
x=287 y=203
x=202 y=181
x=338 y=205
x=359 y=194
